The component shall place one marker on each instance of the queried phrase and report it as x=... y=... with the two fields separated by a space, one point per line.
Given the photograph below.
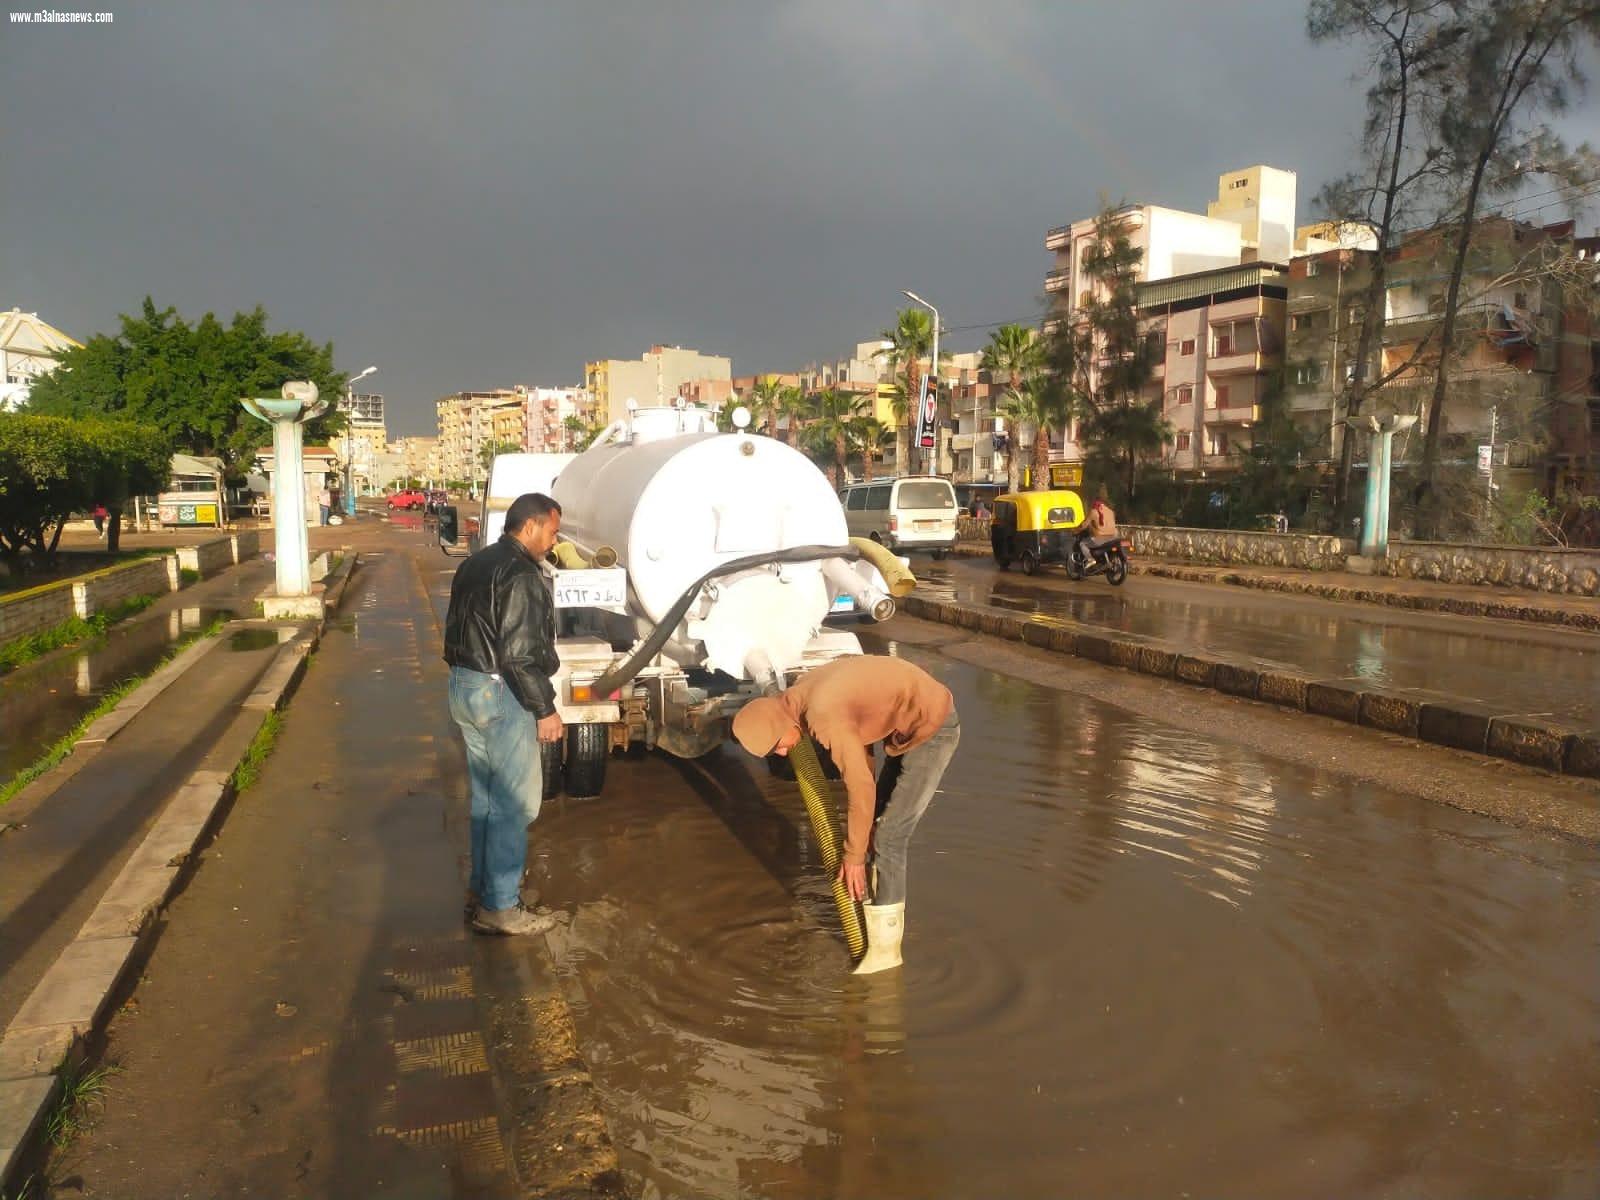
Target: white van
x=511 y=475
x=916 y=512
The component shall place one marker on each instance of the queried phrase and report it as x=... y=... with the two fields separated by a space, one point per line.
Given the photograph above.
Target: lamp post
x=934 y=368
x=349 y=420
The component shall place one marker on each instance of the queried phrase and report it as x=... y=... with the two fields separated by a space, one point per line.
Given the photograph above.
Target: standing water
x=1138 y=964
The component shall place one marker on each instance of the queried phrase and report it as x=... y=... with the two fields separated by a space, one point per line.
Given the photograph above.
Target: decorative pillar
x=287 y=418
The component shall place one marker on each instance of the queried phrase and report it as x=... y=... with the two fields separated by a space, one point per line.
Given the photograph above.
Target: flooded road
x=1138 y=964
x=1517 y=666
x=41 y=701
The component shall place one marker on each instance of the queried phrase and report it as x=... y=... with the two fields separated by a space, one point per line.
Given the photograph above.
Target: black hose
x=635 y=662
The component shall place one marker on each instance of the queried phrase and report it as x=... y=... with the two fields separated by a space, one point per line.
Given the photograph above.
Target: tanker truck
x=698 y=571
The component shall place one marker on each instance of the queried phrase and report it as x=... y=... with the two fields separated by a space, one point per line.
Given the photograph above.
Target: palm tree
x=765 y=402
x=794 y=406
x=827 y=435
x=910 y=341
x=1034 y=403
x=866 y=436
x=1013 y=351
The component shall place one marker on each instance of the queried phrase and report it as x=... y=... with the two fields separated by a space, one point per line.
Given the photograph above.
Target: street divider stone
x=1195 y=669
x=1391 y=711
x=1461 y=725
x=1583 y=755
x=1529 y=739
x=1283 y=688
x=1237 y=679
x=1336 y=698
x=1158 y=660
x=1093 y=646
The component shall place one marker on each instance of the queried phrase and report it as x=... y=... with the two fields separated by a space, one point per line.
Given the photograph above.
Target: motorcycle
x=1110 y=560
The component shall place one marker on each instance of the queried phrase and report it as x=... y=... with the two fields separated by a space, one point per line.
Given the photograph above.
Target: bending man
x=500 y=642
x=845 y=707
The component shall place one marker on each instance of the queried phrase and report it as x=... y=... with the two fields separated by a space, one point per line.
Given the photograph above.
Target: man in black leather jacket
x=500 y=642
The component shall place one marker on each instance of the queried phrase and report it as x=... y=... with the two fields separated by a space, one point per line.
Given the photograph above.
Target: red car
x=409 y=498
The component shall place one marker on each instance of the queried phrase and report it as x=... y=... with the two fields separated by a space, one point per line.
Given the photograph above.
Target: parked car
x=409 y=498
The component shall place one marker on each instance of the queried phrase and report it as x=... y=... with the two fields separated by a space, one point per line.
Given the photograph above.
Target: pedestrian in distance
x=500 y=642
x=100 y=515
x=325 y=503
x=846 y=706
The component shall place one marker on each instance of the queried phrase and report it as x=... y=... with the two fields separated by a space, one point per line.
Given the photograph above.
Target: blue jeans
x=503 y=766
x=905 y=787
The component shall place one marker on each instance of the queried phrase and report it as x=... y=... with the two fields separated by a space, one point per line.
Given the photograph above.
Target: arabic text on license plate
x=606 y=588
x=842 y=604
x=927 y=524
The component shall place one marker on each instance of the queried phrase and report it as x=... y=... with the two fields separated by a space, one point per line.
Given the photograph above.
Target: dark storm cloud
x=479 y=194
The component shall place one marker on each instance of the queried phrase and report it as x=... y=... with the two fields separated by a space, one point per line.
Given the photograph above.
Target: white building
x=29 y=348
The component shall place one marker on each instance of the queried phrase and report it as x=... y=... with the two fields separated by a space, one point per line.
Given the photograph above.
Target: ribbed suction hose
x=814 y=790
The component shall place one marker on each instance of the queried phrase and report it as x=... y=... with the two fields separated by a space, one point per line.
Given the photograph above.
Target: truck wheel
x=550 y=769
x=1030 y=563
x=939 y=555
x=588 y=747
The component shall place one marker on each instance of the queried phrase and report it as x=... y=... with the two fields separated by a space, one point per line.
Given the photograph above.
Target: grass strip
x=81 y=1091
x=255 y=757
x=114 y=696
x=74 y=629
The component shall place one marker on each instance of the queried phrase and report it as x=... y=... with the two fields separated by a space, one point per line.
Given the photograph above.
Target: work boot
x=514 y=921
x=886 y=925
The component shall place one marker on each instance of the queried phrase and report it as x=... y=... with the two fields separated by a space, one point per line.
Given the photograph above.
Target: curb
x=73 y=1000
x=1527 y=738
x=1503 y=610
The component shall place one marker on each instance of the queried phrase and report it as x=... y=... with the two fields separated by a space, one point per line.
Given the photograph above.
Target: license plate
x=843 y=604
x=927 y=524
x=602 y=588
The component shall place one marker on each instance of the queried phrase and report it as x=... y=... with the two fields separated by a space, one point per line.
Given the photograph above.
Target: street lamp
x=916 y=299
x=1380 y=462
x=349 y=420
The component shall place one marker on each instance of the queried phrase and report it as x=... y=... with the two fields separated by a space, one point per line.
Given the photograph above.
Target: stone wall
x=1224 y=547
x=207 y=558
x=1544 y=569
x=246 y=544
x=40 y=608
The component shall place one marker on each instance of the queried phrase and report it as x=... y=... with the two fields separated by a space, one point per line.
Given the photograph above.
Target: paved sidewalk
x=315 y=1020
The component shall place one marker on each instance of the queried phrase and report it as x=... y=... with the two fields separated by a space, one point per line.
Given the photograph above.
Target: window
x=1314 y=267
x=1156 y=345
x=878 y=496
x=1519 y=300
x=1219 y=396
x=1222 y=340
x=1186 y=346
x=1353 y=316
x=1186 y=393
x=1183 y=442
x=1216 y=441
x=1305 y=322
x=856 y=499
x=926 y=495
x=1309 y=373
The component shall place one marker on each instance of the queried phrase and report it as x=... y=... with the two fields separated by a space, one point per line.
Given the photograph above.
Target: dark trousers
x=905 y=788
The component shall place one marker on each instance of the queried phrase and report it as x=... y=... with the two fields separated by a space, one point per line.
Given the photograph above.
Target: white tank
x=675 y=506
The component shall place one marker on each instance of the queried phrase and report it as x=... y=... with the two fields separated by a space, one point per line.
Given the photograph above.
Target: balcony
x=1234 y=414
x=1234 y=360
x=1056 y=281
x=1057 y=238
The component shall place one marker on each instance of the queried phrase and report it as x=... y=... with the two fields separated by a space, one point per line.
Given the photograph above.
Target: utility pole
x=933 y=373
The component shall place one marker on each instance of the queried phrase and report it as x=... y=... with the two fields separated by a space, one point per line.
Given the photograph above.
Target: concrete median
x=1456 y=723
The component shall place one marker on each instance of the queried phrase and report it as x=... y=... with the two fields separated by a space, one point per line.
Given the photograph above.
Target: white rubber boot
x=886 y=925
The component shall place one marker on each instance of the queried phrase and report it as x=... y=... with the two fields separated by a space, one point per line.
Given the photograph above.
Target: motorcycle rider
x=1099 y=529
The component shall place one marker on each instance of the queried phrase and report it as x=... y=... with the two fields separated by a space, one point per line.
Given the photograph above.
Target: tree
x=1516 y=58
x=910 y=341
x=866 y=436
x=491 y=450
x=51 y=467
x=187 y=381
x=793 y=407
x=1016 y=353
x=1121 y=422
x=827 y=436
x=766 y=403
x=1408 y=42
x=579 y=433
x=1032 y=403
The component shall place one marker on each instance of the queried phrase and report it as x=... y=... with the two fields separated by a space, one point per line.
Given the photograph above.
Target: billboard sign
x=927 y=415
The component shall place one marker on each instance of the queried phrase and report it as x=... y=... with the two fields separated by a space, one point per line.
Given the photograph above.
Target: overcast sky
x=476 y=195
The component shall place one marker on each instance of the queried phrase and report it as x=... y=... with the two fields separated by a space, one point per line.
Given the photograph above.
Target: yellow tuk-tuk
x=1033 y=528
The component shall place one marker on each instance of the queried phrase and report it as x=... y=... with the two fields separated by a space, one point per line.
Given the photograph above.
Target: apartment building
x=545 y=411
x=1221 y=342
x=1327 y=293
x=654 y=379
x=418 y=457
x=28 y=349
x=470 y=421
